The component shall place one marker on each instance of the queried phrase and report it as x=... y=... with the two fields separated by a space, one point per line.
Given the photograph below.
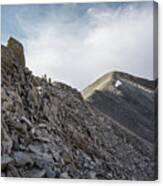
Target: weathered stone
x=5 y=160
x=35 y=148
x=43 y=139
x=22 y=158
x=65 y=175
x=6 y=141
x=34 y=173
x=49 y=172
x=12 y=171
x=23 y=118
x=17 y=49
x=92 y=175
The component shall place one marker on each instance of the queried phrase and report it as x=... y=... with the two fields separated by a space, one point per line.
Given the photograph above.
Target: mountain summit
x=127 y=99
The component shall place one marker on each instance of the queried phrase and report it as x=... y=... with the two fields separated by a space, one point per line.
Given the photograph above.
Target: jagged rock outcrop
x=49 y=130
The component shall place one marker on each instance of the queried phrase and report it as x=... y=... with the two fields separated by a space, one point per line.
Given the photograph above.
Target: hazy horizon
x=76 y=43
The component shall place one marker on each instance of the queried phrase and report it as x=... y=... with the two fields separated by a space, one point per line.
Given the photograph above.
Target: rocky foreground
x=49 y=130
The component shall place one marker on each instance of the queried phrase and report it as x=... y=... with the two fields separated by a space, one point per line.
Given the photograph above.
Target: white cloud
x=77 y=53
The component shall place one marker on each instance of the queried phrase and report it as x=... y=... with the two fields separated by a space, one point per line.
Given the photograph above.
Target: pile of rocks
x=48 y=130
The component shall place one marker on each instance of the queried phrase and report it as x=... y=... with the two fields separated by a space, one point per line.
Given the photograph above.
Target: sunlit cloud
x=78 y=49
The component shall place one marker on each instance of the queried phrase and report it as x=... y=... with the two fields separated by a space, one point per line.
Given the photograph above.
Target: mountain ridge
x=112 y=77
x=48 y=130
x=120 y=92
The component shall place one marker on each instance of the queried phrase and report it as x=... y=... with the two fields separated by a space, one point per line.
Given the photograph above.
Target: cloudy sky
x=77 y=43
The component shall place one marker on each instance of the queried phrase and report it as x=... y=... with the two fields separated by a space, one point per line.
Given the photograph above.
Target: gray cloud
x=78 y=51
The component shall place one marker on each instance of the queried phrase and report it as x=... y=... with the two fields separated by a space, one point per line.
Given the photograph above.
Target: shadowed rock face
x=127 y=99
x=48 y=130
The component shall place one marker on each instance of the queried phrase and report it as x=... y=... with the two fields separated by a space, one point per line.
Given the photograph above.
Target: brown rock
x=17 y=49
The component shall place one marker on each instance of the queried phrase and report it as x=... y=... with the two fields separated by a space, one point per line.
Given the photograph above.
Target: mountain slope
x=127 y=99
x=48 y=130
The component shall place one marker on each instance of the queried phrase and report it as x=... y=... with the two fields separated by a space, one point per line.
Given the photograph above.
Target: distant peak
x=118 y=74
x=115 y=79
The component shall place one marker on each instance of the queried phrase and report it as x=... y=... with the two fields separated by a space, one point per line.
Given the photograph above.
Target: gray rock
x=5 y=160
x=49 y=172
x=92 y=175
x=22 y=158
x=65 y=175
x=35 y=148
x=6 y=141
x=23 y=118
x=34 y=173
x=12 y=171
